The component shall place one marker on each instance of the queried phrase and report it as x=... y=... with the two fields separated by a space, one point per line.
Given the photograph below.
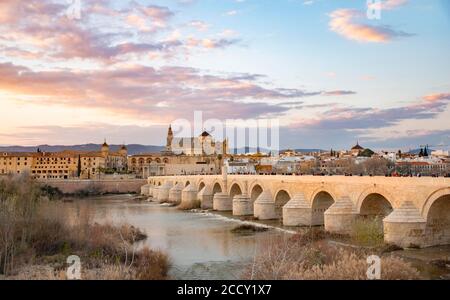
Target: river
x=201 y=245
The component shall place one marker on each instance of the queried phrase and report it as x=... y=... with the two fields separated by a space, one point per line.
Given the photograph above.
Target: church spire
x=169 y=139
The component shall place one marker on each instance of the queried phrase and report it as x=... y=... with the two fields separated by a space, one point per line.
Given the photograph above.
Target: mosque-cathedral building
x=191 y=155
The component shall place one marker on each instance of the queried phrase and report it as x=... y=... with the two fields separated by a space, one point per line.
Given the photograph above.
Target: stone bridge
x=415 y=212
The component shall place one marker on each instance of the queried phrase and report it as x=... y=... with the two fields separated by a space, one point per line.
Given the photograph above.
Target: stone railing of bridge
x=415 y=211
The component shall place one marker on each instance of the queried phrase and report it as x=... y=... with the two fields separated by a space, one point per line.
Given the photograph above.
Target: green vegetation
x=368 y=232
x=38 y=233
x=366 y=153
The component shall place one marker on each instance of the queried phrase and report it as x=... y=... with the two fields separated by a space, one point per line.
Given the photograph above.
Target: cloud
x=231 y=13
x=386 y=4
x=87 y=133
x=147 y=93
x=352 y=118
x=199 y=25
x=344 y=22
x=339 y=93
x=437 y=97
x=104 y=34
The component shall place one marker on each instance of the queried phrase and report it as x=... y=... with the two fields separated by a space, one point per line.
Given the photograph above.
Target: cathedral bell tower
x=169 y=139
x=168 y=149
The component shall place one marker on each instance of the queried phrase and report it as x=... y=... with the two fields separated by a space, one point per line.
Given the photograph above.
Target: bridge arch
x=282 y=197
x=255 y=191
x=217 y=187
x=235 y=189
x=320 y=204
x=201 y=185
x=327 y=190
x=437 y=213
x=433 y=197
x=375 y=206
x=375 y=201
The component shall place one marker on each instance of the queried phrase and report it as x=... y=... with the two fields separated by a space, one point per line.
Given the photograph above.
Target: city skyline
x=126 y=69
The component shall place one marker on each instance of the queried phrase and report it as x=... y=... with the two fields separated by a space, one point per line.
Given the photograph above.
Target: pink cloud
x=437 y=97
x=144 y=92
x=344 y=22
x=41 y=26
x=346 y=117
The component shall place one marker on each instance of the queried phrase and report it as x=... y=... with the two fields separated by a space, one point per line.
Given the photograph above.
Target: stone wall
x=103 y=186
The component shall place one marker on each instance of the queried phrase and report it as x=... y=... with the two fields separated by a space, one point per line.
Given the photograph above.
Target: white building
x=242 y=166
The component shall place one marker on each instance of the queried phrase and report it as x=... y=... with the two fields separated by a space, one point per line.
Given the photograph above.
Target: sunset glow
x=126 y=69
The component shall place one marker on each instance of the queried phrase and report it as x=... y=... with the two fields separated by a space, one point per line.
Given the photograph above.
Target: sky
x=333 y=72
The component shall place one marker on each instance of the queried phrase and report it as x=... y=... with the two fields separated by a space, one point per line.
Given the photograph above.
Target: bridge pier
x=155 y=192
x=264 y=207
x=189 y=197
x=150 y=190
x=222 y=202
x=175 y=194
x=340 y=216
x=145 y=190
x=242 y=206
x=405 y=227
x=297 y=212
x=205 y=197
x=163 y=194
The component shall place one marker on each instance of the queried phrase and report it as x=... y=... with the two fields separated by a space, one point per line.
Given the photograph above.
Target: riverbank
x=95 y=187
x=37 y=235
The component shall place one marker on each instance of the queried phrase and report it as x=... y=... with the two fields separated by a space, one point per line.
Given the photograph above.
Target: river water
x=200 y=245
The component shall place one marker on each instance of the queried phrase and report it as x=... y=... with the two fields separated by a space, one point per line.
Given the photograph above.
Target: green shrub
x=368 y=231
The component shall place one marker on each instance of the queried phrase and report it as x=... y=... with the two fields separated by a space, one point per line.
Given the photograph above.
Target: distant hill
x=132 y=148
